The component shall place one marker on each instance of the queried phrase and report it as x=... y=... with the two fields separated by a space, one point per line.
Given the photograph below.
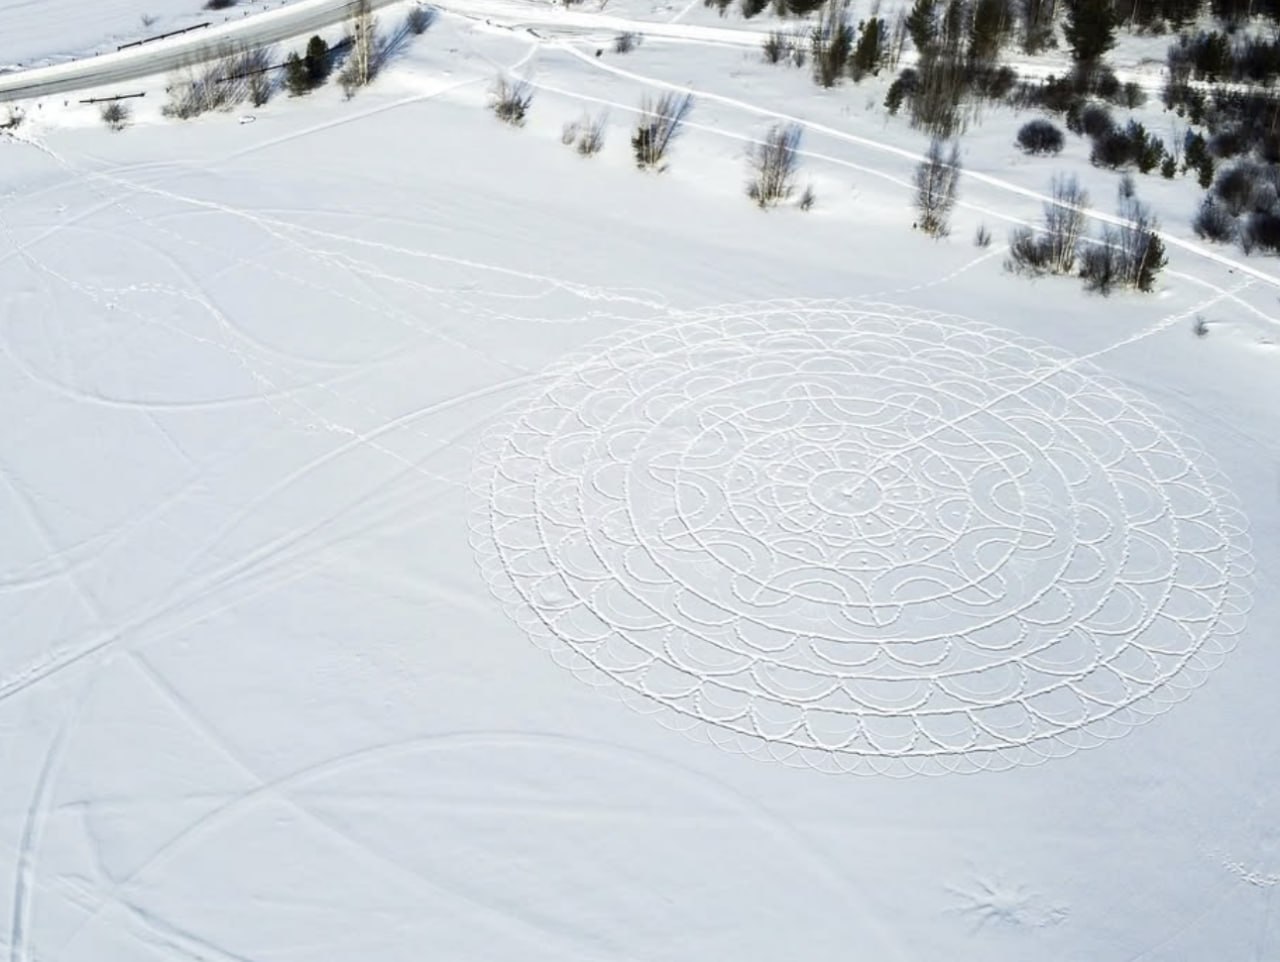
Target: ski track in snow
x=278 y=789
x=268 y=567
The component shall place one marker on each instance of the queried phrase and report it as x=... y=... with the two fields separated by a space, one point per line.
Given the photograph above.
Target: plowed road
x=159 y=56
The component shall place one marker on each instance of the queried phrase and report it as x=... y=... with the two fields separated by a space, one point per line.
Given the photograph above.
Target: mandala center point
x=844 y=491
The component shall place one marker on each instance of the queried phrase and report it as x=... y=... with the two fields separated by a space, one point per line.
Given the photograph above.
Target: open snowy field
x=418 y=541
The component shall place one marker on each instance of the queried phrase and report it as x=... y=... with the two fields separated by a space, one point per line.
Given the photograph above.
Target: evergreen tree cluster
x=302 y=74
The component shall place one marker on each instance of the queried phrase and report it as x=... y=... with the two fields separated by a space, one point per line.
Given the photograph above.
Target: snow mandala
x=861 y=538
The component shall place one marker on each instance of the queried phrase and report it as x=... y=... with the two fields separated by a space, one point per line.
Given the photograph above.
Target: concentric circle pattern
x=861 y=538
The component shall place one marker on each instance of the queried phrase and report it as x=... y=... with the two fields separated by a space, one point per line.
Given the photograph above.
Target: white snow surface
x=417 y=540
x=36 y=32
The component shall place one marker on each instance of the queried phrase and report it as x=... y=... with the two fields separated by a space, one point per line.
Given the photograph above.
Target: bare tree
x=199 y=88
x=773 y=164
x=362 y=63
x=1056 y=249
x=1141 y=250
x=897 y=38
x=936 y=179
x=661 y=122
x=1064 y=223
x=831 y=42
x=937 y=96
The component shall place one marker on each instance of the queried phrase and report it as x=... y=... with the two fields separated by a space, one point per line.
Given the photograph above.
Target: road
x=161 y=56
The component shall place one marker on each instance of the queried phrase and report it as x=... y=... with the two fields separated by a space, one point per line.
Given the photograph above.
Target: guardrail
x=161 y=36
x=101 y=100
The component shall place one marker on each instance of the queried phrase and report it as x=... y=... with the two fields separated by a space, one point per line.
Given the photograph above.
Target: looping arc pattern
x=861 y=538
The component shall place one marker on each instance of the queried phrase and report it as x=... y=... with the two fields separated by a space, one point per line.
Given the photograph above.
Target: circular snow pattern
x=861 y=538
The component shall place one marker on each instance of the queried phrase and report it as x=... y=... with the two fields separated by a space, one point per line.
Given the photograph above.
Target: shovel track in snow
x=861 y=538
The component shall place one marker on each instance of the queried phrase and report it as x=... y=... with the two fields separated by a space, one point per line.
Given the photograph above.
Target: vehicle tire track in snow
x=247 y=568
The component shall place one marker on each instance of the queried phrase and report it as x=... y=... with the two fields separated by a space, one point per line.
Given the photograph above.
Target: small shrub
x=1113 y=149
x=1028 y=254
x=1096 y=121
x=1262 y=230
x=1056 y=249
x=1228 y=143
x=586 y=136
x=1127 y=188
x=1238 y=187
x=751 y=8
x=625 y=42
x=1099 y=264
x=982 y=237
x=1201 y=327
x=219 y=4
x=661 y=122
x=115 y=115
x=773 y=164
x=1168 y=167
x=510 y=99
x=192 y=93
x=775 y=46
x=1040 y=137
x=1107 y=86
x=1134 y=96
x=903 y=86
x=807 y=199
x=1204 y=173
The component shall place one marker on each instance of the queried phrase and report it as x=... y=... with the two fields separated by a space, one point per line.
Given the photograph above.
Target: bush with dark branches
x=773 y=164
x=661 y=122
x=116 y=115
x=1040 y=137
x=510 y=99
x=1214 y=222
x=586 y=136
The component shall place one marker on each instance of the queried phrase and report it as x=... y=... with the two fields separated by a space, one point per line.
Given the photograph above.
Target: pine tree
x=317 y=61
x=870 y=50
x=1090 y=30
x=922 y=24
x=295 y=75
x=1153 y=260
x=988 y=30
x=955 y=26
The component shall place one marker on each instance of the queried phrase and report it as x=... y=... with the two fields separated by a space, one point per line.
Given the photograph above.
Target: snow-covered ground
x=943 y=598
x=49 y=31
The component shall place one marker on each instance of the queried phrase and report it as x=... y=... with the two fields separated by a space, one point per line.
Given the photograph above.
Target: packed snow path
x=864 y=538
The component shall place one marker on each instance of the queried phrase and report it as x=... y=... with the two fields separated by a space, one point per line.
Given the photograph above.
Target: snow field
x=265 y=384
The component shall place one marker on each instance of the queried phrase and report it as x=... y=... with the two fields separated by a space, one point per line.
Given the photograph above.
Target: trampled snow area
x=418 y=541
